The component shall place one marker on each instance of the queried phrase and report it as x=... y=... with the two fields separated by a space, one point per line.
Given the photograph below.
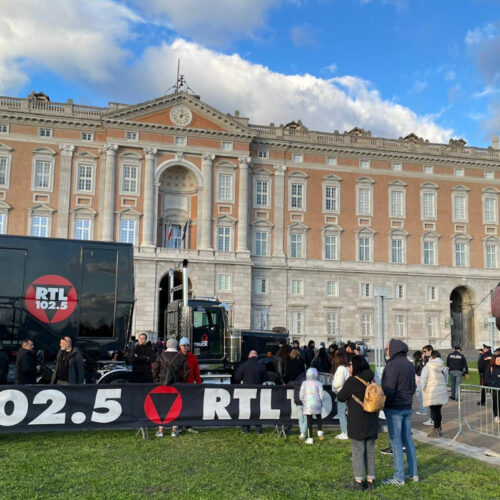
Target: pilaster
x=279 y=210
x=243 y=205
x=150 y=203
x=206 y=202
x=108 y=212
x=64 y=190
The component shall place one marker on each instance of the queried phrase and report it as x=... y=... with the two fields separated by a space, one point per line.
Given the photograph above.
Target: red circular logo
x=51 y=298
x=163 y=404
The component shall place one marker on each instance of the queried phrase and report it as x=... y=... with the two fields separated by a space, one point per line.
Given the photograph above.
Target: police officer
x=457 y=364
x=483 y=364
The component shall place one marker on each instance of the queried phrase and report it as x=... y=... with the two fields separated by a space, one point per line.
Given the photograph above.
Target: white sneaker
x=497 y=420
x=174 y=434
x=428 y=422
x=158 y=434
x=421 y=413
x=341 y=436
x=309 y=441
x=302 y=436
x=321 y=435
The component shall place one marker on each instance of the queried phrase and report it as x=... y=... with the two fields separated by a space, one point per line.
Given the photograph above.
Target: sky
x=431 y=67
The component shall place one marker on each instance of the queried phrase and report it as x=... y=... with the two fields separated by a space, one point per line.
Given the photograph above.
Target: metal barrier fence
x=476 y=417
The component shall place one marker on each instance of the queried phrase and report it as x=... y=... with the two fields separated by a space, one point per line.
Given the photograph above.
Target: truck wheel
x=116 y=377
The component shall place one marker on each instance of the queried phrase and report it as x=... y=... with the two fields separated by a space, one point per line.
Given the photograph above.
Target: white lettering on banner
x=50 y=415
x=326 y=405
x=214 y=404
x=245 y=396
x=20 y=402
x=266 y=412
x=103 y=400
x=289 y=395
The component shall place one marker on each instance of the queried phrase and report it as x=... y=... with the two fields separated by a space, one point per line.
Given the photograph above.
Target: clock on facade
x=181 y=115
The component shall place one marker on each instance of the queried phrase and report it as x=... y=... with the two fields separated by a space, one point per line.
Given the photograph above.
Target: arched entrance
x=164 y=299
x=462 y=316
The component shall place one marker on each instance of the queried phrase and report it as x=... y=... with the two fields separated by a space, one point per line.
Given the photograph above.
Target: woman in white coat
x=341 y=373
x=434 y=387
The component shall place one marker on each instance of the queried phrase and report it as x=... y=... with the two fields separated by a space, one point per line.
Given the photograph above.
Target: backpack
x=374 y=399
x=171 y=375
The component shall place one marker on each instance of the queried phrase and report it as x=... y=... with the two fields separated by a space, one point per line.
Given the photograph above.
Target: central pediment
x=179 y=110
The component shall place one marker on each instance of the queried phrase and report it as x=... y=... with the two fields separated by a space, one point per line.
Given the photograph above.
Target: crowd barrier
x=477 y=418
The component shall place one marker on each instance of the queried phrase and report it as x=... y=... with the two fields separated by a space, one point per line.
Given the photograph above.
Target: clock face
x=181 y=115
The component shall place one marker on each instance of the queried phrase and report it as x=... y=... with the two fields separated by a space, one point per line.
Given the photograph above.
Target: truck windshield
x=208 y=332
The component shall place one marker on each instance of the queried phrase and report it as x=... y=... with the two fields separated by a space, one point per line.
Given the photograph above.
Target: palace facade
x=290 y=227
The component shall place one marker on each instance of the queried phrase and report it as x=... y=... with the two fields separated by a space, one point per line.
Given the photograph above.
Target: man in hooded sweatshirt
x=398 y=383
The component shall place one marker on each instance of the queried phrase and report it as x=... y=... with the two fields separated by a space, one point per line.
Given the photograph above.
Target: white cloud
x=229 y=82
x=303 y=35
x=479 y=35
x=418 y=86
x=213 y=22
x=331 y=68
x=449 y=76
x=71 y=38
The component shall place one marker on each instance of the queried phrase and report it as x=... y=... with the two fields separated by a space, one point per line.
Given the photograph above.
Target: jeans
x=399 y=426
x=436 y=415
x=420 y=399
x=341 y=414
x=456 y=380
x=246 y=429
x=302 y=420
x=363 y=458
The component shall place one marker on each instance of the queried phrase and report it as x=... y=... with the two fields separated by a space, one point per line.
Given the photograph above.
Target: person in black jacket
x=309 y=353
x=457 y=364
x=398 y=383
x=4 y=365
x=251 y=372
x=26 y=367
x=320 y=361
x=141 y=357
x=492 y=379
x=482 y=365
x=69 y=364
x=362 y=427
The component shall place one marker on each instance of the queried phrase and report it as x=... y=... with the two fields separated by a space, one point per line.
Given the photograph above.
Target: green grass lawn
x=218 y=464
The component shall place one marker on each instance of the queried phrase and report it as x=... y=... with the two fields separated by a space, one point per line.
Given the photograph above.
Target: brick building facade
x=290 y=227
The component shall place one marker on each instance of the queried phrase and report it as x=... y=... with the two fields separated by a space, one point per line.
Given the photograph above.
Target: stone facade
x=288 y=226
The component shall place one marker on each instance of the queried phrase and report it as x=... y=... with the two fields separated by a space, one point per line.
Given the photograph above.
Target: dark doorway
x=462 y=315
x=164 y=299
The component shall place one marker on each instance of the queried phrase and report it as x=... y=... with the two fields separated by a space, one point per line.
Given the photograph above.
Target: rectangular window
x=175 y=240
x=459 y=208
x=491 y=256
x=431 y=293
x=429 y=253
x=42 y=174
x=400 y=326
x=365 y=290
x=490 y=210
x=298 y=157
x=297 y=287
x=331 y=198
x=40 y=226
x=82 y=229
x=261 y=286
x=85 y=174
x=332 y=288
x=397 y=251
x=489 y=174
x=223 y=239
x=431 y=326
x=225 y=187
x=364 y=201
x=3 y=171
x=331 y=161
x=398 y=167
x=261 y=243
x=87 y=136
x=330 y=247
x=366 y=325
x=261 y=319
x=263 y=153
x=4 y=128
x=130 y=135
x=224 y=282
x=459 y=172
x=397 y=202
x=297 y=323
x=227 y=146
x=45 y=132
x=364 y=163
x=296 y=245
x=460 y=255
x=181 y=141
x=127 y=231
x=428 y=169
x=399 y=291
x=129 y=181
x=3 y=228
x=261 y=193
x=364 y=249
x=429 y=205
x=332 y=322
x=297 y=200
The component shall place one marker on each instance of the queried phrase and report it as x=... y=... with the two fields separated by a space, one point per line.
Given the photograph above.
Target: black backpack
x=171 y=375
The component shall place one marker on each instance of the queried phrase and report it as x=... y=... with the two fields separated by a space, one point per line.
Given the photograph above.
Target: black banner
x=33 y=408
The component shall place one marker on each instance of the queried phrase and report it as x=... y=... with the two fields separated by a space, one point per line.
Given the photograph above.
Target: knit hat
x=184 y=341
x=172 y=343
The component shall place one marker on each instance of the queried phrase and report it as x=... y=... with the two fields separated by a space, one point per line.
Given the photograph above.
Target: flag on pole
x=184 y=229
x=169 y=233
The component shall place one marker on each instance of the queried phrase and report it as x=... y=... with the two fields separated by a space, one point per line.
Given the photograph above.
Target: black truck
x=50 y=288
